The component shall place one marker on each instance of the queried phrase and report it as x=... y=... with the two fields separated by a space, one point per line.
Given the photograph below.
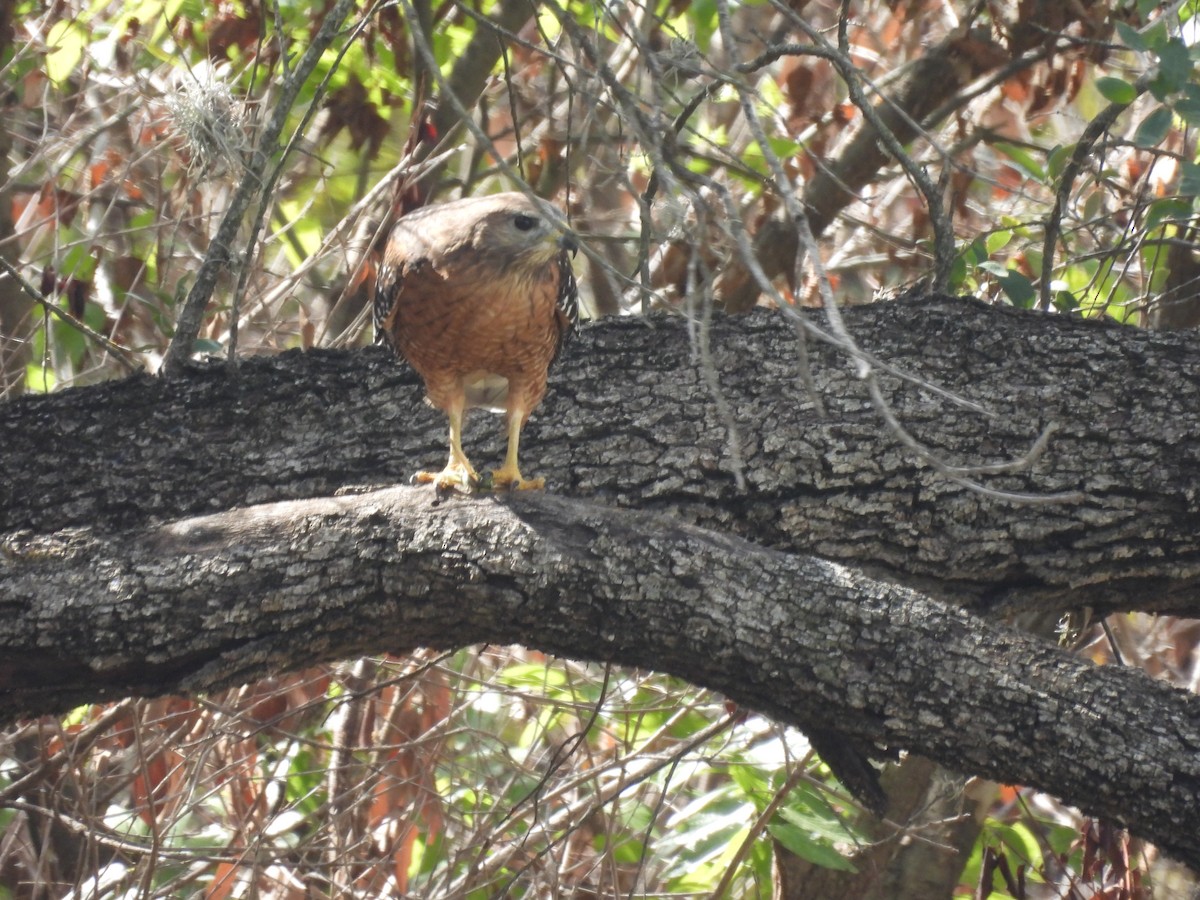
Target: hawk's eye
x=524 y=222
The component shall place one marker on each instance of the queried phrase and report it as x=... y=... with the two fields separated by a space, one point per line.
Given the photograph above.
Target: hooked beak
x=568 y=243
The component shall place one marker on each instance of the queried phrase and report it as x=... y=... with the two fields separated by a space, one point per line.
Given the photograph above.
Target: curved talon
x=511 y=479
x=451 y=478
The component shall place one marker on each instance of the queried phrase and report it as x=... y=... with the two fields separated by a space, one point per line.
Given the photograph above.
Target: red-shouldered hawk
x=478 y=296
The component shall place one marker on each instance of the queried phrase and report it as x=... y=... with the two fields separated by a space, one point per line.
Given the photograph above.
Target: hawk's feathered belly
x=478 y=336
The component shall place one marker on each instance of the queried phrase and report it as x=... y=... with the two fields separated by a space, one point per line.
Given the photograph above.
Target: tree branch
x=941 y=72
x=628 y=421
x=253 y=184
x=219 y=600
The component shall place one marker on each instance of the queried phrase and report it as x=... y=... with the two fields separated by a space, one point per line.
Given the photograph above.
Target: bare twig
x=1083 y=148
x=221 y=252
x=123 y=355
x=759 y=826
x=852 y=77
x=808 y=249
x=266 y=198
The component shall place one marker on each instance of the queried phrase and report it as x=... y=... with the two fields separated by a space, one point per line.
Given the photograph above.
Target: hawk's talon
x=510 y=479
x=451 y=478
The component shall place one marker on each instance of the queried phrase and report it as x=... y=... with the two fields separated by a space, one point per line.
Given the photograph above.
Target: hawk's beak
x=568 y=243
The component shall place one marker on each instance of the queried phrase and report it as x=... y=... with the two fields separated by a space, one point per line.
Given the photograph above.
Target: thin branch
x=220 y=255
x=759 y=826
x=1094 y=131
x=852 y=77
x=810 y=250
x=266 y=198
x=123 y=355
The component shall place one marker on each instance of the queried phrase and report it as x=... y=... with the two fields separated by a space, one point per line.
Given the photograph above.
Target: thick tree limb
x=109 y=584
x=222 y=599
x=629 y=422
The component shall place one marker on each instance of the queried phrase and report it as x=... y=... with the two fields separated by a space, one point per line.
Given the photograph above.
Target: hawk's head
x=510 y=231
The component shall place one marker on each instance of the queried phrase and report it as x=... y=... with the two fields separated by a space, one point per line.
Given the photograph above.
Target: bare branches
x=853 y=78
x=123 y=355
x=1066 y=182
x=808 y=249
x=254 y=183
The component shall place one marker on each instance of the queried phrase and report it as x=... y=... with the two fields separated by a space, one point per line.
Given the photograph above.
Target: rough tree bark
x=147 y=549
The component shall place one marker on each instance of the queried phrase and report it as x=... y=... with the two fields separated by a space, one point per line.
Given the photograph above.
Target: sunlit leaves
x=39 y=379
x=67 y=41
x=998 y=240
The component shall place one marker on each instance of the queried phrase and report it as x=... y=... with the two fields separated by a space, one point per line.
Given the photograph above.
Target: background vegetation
x=1035 y=154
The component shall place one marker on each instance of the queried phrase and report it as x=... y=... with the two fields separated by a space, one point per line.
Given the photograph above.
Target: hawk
x=478 y=296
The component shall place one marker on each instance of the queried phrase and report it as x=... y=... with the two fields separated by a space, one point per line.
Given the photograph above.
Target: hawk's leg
x=459 y=473
x=509 y=474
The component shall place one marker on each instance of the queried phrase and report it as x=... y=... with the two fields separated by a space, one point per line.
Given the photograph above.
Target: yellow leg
x=459 y=473
x=509 y=474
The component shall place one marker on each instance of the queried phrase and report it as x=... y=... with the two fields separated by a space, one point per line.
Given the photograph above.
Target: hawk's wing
x=388 y=281
x=567 y=304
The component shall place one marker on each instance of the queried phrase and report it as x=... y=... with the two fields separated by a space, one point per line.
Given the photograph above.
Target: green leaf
x=1156 y=35
x=1057 y=160
x=998 y=240
x=1146 y=7
x=1154 y=128
x=1116 y=90
x=1065 y=301
x=1189 y=181
x=1021 y=841
x=1174 y=68
x=78 y=263
x=1018 y=288
x=39 y=379
x=1172 y=209
x=753 y=782
x=800 y=843
x=1131 y=38
x=536 y=676
x=66 y=41
x=1188 y=109
x=206 y=345
x=1024 y=159
x=975 y=252
x=958 y=272
x=703 y=15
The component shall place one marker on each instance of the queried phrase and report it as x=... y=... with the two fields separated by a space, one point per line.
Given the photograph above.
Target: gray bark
x=147 y=548
x=630 y=422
